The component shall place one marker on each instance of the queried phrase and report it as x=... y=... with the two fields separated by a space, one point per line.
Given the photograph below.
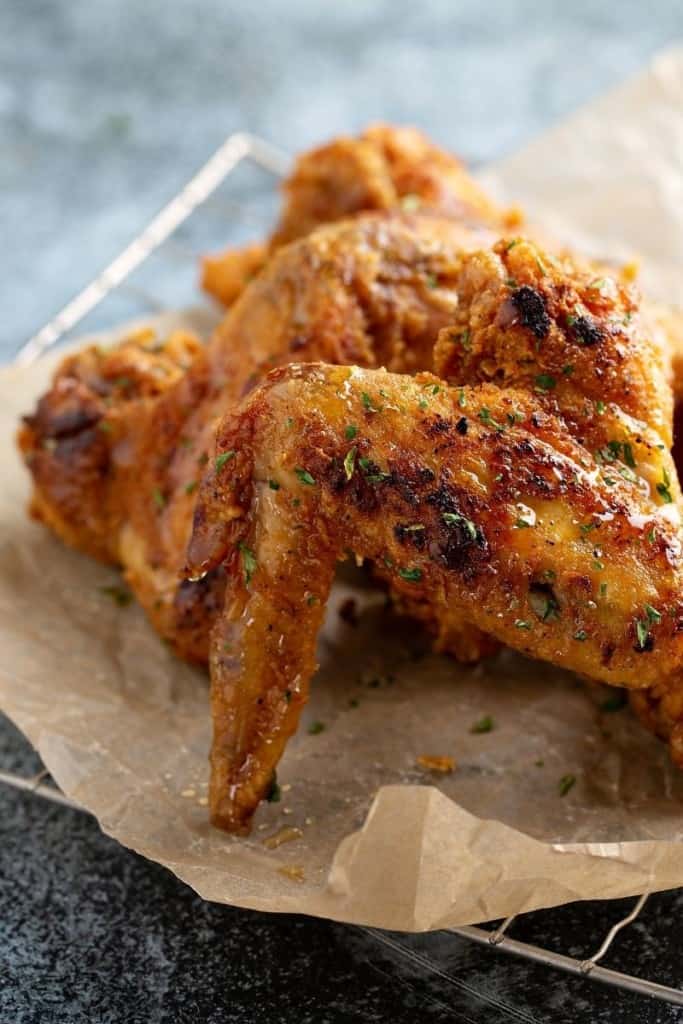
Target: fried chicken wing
x=385 y=168
x=477 y=501
x=118 y=444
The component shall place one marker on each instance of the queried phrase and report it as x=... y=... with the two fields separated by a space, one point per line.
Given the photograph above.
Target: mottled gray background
x=106 y=108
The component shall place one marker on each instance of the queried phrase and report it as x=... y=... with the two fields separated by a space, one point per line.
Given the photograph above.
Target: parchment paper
x=372 y=838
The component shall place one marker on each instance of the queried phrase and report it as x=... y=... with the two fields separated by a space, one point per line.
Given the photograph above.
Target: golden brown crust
x=477 y=501
x=385 y=168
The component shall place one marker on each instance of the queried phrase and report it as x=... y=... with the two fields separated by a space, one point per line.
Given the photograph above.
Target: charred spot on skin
x=586 y=330
x=530 y=305
x=458 y=537
x=438 y=426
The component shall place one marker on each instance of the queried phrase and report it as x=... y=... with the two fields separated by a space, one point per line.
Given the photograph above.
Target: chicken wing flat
x=385 y=168
x=545 y=512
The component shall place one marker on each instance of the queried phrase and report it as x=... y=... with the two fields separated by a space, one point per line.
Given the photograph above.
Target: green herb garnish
x=249 y=563
x=304 y=476
x=567 y=782
x=350 y=462
x=455 y=519
x=411 y=575
x=544 y=382
x=663 y=488
x=223 y=458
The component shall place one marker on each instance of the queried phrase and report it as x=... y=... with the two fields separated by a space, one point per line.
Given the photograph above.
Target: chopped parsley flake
x=600 y=407
x=274 y=485
x=544 y=382
x=223 y=458
x=432 y=281
x=159 y=499
x=191 y=487
x=653 y=616
x=568 y=369
x=587 y=527
x=628 y=455
x=315 y=728
x=598 y=284
x=304 y=476
x=249 y=563
x=567 y=782
x=455 y=519
x=486 y=418
x=411 y=575
x=462 y=402
x=350 y=462
x=663 y=488
x=368 y=404
x=485 y=724
x=581 y=635
x=642 y=633
x=350 y=432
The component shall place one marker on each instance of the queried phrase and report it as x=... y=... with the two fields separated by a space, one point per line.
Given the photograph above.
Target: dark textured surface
x=105 y=109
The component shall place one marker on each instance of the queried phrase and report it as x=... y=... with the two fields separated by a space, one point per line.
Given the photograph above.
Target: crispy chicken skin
x=385 y=168
x=118 y=444
x=546 y=514
x=502 y=528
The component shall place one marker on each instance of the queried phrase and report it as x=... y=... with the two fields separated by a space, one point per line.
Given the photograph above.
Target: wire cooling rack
x=238 y=149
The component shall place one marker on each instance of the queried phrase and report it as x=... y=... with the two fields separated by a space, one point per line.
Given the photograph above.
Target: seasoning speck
x=437 y=763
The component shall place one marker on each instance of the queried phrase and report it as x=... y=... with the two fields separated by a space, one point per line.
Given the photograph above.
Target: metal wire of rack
x=236 y=149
